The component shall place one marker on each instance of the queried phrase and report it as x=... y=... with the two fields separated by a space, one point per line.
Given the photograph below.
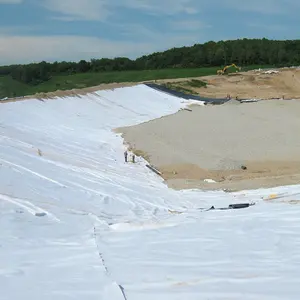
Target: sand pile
x=217 y=141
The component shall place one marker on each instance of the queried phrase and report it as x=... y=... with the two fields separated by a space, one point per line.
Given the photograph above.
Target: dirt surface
x=216 y=142
x=251 y=84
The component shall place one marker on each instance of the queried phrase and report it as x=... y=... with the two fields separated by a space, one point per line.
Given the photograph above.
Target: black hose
x=230 y=206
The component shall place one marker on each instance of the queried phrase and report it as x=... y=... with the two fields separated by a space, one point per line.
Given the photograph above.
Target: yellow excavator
x=223 y=71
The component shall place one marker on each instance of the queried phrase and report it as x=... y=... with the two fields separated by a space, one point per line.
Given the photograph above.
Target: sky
x=71 y=30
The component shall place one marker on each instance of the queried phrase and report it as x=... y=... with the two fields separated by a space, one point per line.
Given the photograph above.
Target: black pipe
x=230 y=206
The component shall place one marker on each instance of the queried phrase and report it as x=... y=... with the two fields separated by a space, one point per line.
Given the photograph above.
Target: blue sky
x=35 y=30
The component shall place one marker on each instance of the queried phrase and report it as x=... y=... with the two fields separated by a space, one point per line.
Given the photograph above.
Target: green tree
x=241 y=51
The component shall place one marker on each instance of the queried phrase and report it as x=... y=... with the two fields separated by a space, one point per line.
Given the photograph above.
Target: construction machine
x=223 y=71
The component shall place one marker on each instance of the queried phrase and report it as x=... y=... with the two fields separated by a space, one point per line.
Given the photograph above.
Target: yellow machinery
x=223 y=71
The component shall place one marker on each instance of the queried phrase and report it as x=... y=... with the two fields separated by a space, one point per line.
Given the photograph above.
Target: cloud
x=166 y=7
x=73 y=10
x=75 y=48
x=51 y=48
x=100 y=10
x=169 y=23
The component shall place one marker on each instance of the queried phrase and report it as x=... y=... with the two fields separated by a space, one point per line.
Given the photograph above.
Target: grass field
x=12 y=88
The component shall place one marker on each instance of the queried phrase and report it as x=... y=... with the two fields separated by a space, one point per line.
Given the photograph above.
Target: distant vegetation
x=10 y=87
x=197 y=60
x=186 y=85
x=196 y=83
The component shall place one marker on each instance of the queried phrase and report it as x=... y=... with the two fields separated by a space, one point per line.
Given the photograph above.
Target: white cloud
x=74 y=48
x=91 y=10
x=178 y=30
x=170 y=7
x=51 y=48
x=167 y=7
x=100 y=10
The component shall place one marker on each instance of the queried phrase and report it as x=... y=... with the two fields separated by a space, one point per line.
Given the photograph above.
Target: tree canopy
x=242 y=52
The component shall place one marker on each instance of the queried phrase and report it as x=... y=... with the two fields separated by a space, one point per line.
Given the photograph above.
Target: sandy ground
x=252 y=84
x=214 y=142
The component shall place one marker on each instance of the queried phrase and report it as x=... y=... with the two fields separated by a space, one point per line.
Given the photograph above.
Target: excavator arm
x=223 y=71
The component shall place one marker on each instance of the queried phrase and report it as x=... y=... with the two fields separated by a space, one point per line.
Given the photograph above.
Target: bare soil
x=249 y=85
x=215 y=142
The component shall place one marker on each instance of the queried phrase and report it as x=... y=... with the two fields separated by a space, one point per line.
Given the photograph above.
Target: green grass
x=196 y=83
x=179 y=88
x=10 y=87
x=186 y=85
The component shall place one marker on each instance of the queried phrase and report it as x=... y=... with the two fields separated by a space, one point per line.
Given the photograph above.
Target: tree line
x=242 y=52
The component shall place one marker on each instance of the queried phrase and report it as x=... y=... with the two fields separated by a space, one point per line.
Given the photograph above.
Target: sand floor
x=214 y=142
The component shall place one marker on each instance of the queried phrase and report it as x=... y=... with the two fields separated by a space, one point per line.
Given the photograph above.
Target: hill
x=78 y=223
x=197 y=60
x=10 y=87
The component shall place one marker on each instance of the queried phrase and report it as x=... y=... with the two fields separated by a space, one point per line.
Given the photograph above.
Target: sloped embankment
x=77 y=222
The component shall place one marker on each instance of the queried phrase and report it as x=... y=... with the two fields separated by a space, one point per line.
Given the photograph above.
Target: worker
x=133 y=158
x=125 y=155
